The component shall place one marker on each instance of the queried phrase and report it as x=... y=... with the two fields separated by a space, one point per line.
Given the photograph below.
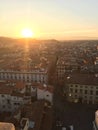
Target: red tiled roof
x=4 y=90
x=7 y=87
x=46 y=88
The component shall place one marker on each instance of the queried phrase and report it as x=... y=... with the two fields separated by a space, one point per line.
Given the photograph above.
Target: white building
x=12 y=96
x=45 y=92
x=32 y=76
x=10 y=102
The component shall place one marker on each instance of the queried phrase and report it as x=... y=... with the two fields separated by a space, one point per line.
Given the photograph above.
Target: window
x=8 y=101
x=96 y=92
x=75 y=90
x=80 y=90
x=3 y=106
x=7 y=76
x=91 y=92
x=2 y=95
x=15 y=97
x=16 y=103
x=76 y=96
x=85 y=92
x=85 y=96
x=15 y=77
x=71 y=90
x=27 y=80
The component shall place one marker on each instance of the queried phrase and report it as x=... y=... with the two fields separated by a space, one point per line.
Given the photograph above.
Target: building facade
x=83 y=88
x=12 y=95
x=34 y=76
x=45 y=92
x=65 y=64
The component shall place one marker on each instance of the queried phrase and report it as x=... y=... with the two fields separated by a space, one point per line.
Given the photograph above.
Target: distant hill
x=7 y=40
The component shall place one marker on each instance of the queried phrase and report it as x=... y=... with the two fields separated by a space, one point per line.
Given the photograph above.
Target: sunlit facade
x=34 y=76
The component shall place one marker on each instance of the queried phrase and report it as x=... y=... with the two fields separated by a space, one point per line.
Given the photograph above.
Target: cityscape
x=48 y=65
x=59 y=78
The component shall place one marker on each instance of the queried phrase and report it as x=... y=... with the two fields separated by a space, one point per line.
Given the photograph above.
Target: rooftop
x=83 y=79
x=9 y=86
x=45 y=87
x=40 y=116
x=6 y=126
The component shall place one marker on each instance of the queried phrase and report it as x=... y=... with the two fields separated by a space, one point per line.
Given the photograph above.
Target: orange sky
x=60 y=19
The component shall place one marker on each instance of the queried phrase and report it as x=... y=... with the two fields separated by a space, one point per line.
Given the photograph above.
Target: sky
x=50 y=19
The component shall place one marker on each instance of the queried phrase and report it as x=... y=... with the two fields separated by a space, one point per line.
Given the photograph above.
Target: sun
x=27 y=33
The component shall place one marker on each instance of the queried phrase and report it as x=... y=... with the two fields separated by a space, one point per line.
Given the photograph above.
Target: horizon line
x=72 y=39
